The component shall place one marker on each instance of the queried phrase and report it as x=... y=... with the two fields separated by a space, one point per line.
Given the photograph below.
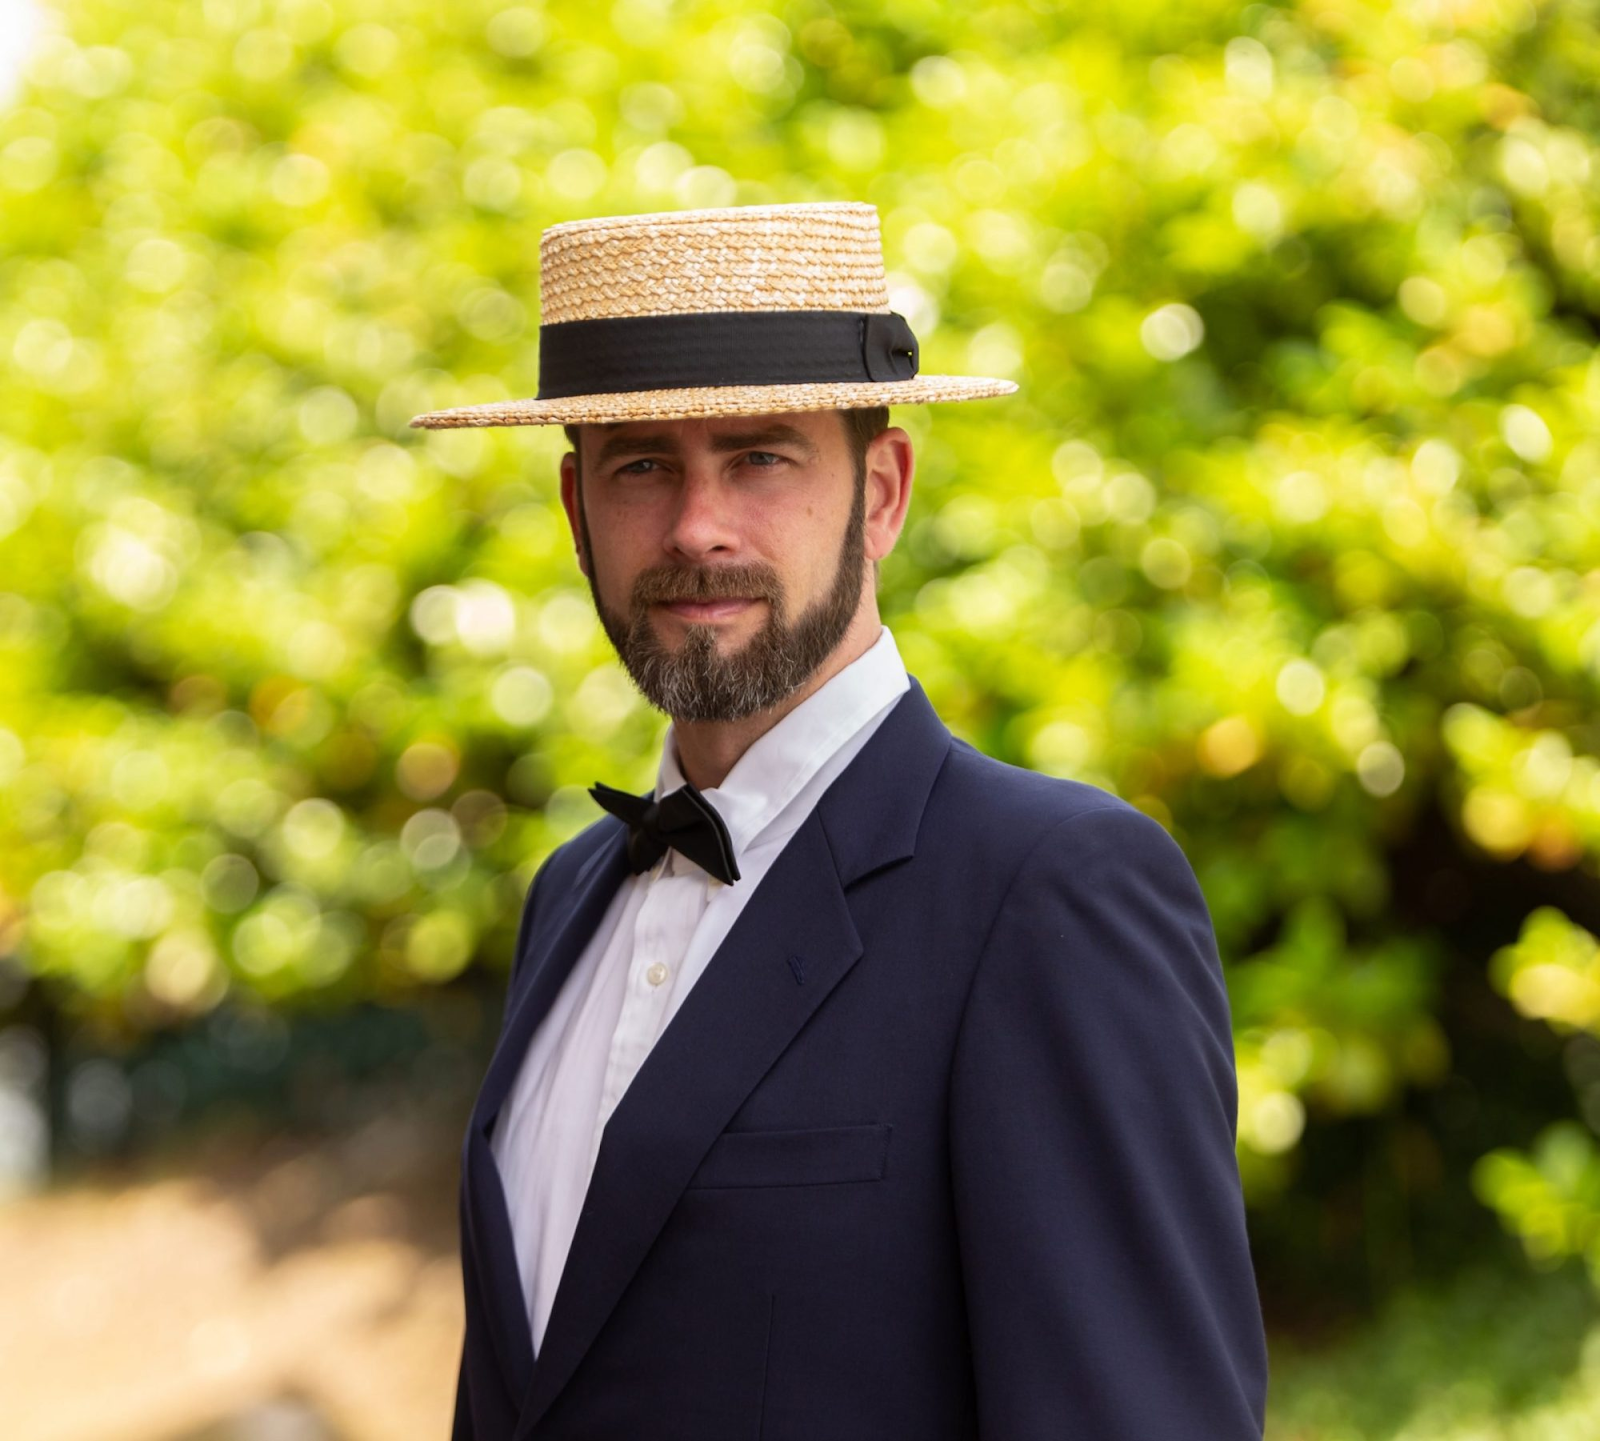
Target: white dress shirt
x=656 y=938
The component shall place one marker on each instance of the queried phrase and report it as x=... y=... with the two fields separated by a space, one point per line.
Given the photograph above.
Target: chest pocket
x=823 y=1156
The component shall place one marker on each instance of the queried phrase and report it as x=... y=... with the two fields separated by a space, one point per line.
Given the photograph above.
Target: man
x=852 y=1084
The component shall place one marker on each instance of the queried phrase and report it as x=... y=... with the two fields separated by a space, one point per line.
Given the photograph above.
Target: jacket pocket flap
x=796 y=1158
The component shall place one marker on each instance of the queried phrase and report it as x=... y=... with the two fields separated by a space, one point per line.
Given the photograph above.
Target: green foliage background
x=1289 y=537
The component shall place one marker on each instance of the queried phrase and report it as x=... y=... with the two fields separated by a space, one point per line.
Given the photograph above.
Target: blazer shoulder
x=998 y=798
x=1020 y=821
x=556 y=875
x=999 y=831
x=566 y=865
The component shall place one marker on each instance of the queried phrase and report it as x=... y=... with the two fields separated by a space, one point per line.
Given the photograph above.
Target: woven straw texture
x=824 y=256
x=754 y=257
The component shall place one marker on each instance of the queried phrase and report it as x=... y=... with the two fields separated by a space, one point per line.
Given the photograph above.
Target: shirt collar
x=779 y=762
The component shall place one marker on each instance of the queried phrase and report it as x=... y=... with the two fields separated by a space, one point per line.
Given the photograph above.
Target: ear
x=890 y=464
x=569 y=503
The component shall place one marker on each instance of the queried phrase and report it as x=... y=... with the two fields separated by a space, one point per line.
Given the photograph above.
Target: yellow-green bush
x=1289 y=537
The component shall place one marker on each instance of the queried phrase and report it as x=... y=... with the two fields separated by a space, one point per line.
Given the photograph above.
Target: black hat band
x=723 y=347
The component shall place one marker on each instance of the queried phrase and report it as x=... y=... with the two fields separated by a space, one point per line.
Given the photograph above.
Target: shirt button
x=656 y=974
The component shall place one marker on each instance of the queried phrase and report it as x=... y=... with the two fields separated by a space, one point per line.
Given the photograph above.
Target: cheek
x=613 y=564
x=806 y=549
x=625 y=537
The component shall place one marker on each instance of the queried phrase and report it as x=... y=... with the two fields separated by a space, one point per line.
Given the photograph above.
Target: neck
x=708 y=750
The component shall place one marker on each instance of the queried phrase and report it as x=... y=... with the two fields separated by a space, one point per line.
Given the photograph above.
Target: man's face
x=725 y=555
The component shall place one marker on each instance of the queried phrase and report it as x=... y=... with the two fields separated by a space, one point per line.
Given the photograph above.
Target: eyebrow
x=661 y=443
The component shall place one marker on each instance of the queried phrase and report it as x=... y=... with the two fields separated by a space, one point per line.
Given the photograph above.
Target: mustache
x=722 y=582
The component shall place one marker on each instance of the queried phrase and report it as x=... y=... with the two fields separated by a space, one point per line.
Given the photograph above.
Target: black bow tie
x=685 y=820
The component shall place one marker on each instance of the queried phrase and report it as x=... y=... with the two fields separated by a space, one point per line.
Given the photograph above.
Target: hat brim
x=711 y=400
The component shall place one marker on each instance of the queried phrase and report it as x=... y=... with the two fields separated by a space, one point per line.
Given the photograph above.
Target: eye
x=763 y=459
x=633 y=467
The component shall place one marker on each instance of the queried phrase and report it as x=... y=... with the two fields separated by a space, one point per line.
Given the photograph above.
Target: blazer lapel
x=592 y=889
x=485 y=1217
x=739 y=1017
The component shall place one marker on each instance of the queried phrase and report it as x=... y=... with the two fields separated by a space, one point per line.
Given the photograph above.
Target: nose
x=703 y=520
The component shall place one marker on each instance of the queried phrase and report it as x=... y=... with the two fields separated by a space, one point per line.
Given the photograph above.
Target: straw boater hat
x=743 y=310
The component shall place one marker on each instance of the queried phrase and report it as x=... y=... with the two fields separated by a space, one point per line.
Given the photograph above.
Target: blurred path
x=268 y=1290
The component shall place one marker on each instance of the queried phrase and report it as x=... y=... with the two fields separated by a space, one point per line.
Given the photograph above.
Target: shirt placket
x=673 y=903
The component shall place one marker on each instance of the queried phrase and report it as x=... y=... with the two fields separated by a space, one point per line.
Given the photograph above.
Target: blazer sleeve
x=1093 y=1117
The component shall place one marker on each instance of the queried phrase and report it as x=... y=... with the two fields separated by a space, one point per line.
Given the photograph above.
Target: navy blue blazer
x=940 y=1146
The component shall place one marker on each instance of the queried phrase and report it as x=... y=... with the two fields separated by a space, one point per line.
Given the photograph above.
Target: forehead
x=814 y=430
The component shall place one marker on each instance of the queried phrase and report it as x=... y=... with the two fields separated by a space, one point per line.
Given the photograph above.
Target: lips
x=708 y=609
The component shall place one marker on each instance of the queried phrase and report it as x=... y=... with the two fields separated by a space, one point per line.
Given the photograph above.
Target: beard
x=698 y=683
